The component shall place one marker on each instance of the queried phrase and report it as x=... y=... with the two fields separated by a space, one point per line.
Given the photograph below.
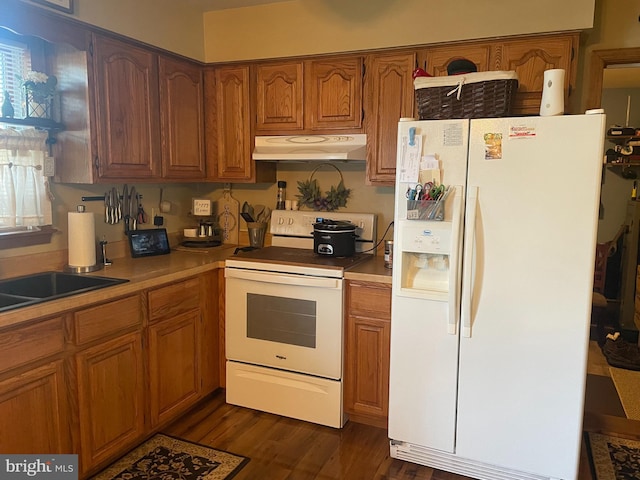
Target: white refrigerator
x=491 y=304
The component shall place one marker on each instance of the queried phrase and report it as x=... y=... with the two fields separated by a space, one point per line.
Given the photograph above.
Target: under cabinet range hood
x=307 y=148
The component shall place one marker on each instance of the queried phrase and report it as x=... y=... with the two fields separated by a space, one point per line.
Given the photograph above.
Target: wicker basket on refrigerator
x=470 y=95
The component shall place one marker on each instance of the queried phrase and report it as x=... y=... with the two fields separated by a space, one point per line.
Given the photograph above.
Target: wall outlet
x=49 y=167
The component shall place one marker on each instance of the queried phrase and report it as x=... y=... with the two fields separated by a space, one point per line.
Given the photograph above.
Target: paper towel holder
x=82 y=269
x=89 y=269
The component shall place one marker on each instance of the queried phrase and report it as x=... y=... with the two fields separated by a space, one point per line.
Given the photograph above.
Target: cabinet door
x=34 y=415
x=233 y=158
x=279 y=97
x=182 y=119
x=530 y=58
x=367 y=350
x=210 y=339
x=389 y=96
x=333 y=94
x=437 y=59
x=174 y=365
x=126 y=110
x=110 y=397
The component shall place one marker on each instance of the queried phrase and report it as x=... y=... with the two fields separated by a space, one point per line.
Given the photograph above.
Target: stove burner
x=196 y=244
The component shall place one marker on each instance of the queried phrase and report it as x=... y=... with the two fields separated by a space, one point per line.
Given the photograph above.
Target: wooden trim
x=600 y=59
x=62 y=5
x=27 y=238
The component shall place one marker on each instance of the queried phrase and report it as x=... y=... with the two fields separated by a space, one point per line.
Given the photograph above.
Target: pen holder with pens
x=430 y=207
x=425 y=210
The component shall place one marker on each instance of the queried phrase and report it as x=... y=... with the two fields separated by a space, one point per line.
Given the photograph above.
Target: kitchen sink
x=41 y=287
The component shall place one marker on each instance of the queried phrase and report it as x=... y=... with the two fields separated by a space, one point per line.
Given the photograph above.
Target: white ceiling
x=209 y=5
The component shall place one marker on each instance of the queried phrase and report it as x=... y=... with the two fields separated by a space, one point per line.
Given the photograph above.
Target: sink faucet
x=103 y=248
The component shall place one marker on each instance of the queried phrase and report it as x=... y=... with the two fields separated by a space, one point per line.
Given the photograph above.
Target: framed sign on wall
x=62 y=5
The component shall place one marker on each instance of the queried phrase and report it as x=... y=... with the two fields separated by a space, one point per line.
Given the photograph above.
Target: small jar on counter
x=388 y=253
x=282 y=196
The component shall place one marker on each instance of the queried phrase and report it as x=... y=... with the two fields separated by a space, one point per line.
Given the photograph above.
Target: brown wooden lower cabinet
x=110 y=397
x=367 y=344
x=34 y=413
x=174 y=365
x=98 y=380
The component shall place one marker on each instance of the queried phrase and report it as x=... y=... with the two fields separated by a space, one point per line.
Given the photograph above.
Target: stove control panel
x=296 y=223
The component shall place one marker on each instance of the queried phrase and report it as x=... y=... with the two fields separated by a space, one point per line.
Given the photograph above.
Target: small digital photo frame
x=149 y=242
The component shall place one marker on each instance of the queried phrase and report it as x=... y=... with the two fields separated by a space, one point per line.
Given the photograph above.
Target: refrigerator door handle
x=469 y=241
x=454 y=267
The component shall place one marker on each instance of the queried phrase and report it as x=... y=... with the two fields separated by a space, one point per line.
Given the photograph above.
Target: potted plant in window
x=39 y=90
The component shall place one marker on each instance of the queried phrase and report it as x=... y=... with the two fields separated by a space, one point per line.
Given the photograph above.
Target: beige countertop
x=150 y=272
x=142 y=273
x=370 y=271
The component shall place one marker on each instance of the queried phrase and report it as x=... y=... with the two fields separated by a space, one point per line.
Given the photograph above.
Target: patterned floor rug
x=613 y=458
x=627 y=384
x=168 y=458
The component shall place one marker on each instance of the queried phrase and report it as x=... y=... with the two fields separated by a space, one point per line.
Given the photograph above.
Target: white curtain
x=24 y=190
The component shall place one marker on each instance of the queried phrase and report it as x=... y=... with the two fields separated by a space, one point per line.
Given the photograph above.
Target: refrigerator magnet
x=522 y=131
x=492 y=146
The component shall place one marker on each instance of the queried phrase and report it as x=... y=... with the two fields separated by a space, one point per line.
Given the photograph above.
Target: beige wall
x=173 y=25
x=302 y=27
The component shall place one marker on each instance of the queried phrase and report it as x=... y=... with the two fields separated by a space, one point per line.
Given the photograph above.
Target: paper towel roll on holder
x=82 y=269
x=89 y=269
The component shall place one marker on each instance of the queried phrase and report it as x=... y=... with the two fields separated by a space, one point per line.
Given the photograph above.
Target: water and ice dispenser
x=425 y=256
x=426 y=251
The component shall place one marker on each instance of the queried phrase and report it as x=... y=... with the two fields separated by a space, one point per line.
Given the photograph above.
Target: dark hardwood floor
x=282 y=448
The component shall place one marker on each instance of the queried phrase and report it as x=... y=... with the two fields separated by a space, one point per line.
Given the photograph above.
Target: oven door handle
x=296 y=280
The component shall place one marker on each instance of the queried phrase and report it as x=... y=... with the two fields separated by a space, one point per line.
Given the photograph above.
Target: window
x=15 y=62
x=24 y=190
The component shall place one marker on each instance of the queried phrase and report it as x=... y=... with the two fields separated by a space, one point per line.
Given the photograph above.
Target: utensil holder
x=256 y=233
x=425 y=210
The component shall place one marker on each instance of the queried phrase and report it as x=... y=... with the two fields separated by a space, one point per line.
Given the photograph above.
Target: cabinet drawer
x=26 y=344
x=174 y=299
x=369 y=299
x=105 y=319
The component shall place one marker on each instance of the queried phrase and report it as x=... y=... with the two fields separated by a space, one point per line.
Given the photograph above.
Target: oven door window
x=290 y=322
x=281 y=319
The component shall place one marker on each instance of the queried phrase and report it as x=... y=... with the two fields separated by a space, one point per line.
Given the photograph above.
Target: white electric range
x=284 y=320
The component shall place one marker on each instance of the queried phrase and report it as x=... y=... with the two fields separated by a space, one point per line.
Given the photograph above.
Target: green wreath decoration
x=311 y=196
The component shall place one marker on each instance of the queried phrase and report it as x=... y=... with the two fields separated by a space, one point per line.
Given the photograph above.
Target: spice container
x=281 y=197
x=388 y=253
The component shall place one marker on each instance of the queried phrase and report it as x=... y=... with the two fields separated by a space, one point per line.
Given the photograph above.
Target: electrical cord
x=381 y=239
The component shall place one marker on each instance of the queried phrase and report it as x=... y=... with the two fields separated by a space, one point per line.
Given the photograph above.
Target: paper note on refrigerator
x=429 y=170
x=409 y=168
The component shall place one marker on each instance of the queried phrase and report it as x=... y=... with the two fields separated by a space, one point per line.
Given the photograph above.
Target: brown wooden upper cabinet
x=389 y=93
x=530 y=57
x=182 y=119
x=126 y=110
x=388 y=96
x=280 y=97
x=228 y=127
x=435 y=60
x=148 y=115
x=303 y=96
